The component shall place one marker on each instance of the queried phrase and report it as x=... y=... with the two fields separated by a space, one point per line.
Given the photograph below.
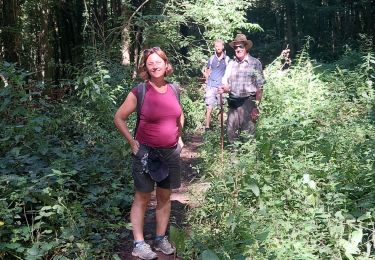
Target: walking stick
x=222 y=128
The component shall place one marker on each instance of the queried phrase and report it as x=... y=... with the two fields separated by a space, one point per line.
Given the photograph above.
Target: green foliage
x=96 y=87
x=63 y=181
x=303 y=189
x=224 y=20
x=177 y=237
x=194 y=108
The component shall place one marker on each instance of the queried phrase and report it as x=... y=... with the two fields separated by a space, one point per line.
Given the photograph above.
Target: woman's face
x=156 y=66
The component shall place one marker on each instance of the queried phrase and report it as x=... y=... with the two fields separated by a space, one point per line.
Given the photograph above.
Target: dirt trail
x=179 y=198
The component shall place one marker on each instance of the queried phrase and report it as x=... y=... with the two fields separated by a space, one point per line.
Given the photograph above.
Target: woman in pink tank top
x=156 y=149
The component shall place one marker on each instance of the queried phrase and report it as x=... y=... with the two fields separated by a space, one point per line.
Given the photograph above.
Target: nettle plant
x=316 y=157
x=303 y=189
x=63 y=181
x=99 y=86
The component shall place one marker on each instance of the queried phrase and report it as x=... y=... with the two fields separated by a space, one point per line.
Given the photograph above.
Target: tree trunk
x=103 y=11
x=125 y=46
x=113 y=12
x=44 y=49
x=136 y=53
x=290 y=24
x=68 y=16
x=125 y=37
x=1 y=26
x=369 y=25
x=116 y=8
x=11 y=31
x=126 y=31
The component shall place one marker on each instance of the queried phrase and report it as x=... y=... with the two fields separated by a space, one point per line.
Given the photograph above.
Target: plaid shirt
x=244 y=77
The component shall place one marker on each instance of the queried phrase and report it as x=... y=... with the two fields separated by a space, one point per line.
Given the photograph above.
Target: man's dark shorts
x=143 y=181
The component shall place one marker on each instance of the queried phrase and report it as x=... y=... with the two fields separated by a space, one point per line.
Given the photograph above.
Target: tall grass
x=304 y=188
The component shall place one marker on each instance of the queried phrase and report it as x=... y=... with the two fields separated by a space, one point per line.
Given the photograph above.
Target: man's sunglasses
x=147 y=52
x=240 y=46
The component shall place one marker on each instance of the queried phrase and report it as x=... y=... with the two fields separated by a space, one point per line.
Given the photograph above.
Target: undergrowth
x=303 y=188
x=65 y=170
x=64 y=186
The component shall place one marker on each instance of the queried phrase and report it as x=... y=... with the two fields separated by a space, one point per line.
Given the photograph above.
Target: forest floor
x=181 y=200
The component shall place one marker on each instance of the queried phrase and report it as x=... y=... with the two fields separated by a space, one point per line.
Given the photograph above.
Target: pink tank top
x=158 y=125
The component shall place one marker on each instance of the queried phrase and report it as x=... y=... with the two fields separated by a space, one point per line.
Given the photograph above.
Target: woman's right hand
x=134 y=146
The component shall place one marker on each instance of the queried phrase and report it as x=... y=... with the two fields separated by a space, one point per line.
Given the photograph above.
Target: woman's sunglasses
x=147 y=52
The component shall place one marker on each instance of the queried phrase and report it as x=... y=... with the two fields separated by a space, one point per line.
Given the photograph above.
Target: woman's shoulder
x=136 y=88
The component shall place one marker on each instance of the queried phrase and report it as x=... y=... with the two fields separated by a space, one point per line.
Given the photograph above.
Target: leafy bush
x=193 y=105
x=303 y=189
x=63 y=181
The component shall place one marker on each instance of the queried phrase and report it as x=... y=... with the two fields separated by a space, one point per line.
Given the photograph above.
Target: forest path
x=180 y=198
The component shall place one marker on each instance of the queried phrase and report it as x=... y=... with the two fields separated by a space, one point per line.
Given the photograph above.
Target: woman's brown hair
x=142 y=70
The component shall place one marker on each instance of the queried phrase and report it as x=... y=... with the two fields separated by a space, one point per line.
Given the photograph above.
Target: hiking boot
x=164 y=246
x=144 y=251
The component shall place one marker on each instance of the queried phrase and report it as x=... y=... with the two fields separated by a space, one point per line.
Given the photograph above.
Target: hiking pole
x=222 y=128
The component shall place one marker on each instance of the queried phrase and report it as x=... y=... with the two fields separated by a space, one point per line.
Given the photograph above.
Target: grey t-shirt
x=217 y=70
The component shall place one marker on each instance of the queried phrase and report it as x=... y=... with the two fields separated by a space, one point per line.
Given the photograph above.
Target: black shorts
x=143 y=181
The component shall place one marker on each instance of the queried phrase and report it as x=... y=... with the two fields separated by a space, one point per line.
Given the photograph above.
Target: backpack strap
x=176 y=90
x=141 y=91
x=210 y=61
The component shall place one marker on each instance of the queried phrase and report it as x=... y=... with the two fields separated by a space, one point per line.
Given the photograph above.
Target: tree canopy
x=53 y=37
x=302 y=188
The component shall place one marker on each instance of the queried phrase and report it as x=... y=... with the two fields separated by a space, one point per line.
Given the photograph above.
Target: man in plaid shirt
x=243 y=80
